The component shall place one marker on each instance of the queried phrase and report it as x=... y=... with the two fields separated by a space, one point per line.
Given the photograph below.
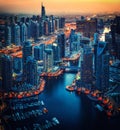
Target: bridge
x=75 y=57
x=70 y=68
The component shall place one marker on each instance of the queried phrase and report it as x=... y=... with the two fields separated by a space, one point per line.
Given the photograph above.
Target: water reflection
x=72 y=111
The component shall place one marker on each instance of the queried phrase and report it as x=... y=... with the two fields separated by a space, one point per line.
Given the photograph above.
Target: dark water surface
x=75 y=112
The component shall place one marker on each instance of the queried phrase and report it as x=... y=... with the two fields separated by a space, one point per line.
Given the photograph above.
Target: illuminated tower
x=31 y=66
x=27 y=51
x=43 y=15
x=34 y=29
x=23 y=32
x=7 y=35
x=56 y=52
x=61 y=43
x=6 y=72
x=102 y=66
x=48 y=60
x=87 y=66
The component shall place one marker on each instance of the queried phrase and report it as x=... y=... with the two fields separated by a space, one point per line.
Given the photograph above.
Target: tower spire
x=42 y=11
x=41 y=4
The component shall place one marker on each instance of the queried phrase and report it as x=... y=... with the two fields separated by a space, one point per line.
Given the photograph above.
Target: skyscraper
x=6 y=72
x=61 y=43
x=17 y=64
x=27 y=51
x=87 y=65
x=42 y=48
x=102 y=67
x=43 y=13
x=96 y=40
x=115 y=31
x=53 y=23
x=23 y=32
x=7 y=35
x=37 y=53
x=48 y=60
x=28 y=24
x=57 y=24
x=40 y=28
x=31 y=66
x=34 y=29
x=87 y=27
x=61 y=22
x=72 y=33
x=56 y=52
x=45 y=26
x=75 y=42
x=15 y=34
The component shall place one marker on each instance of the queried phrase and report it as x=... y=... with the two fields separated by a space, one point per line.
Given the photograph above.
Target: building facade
x=102 y=66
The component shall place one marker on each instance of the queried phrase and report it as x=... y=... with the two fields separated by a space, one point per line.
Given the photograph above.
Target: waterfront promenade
x=23 y=94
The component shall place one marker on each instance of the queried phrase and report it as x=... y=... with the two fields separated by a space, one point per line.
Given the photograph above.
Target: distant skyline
x=60 y=6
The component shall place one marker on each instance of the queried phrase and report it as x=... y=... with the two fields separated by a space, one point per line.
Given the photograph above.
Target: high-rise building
x=87 y=65
x=2 y=33
x=32 y=75
x=108 y=40
x=43 y=13
x=17 y=65
x=72 y=33
x=49 y=26
x=45 y=28
x=61 y=22
x=75 y=42
x=96 y=40
x=41 y=28
x=102 y=66
x=15 y=34
x=6 y=72
x=61 y=43
x=95 y=58
x=48 y=60
x=7 y=35
x=27 y=51
x=87 y=27
x=28 y=24
x=117 y=37
x=34 y=29
x=115 y=31
x=56 y=52
x=23 y=32
x=37 y=53
x=57 y=24
x=53 y=23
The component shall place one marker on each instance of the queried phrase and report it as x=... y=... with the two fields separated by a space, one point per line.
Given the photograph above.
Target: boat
x=45 y=110
x=42 y=103
x=70 y=88
x=100 y=108
x=54 y=119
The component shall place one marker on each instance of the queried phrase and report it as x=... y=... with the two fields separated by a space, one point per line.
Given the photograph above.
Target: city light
x=48 y=47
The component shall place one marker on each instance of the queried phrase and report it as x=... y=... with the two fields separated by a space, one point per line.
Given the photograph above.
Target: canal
x=75 y=112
